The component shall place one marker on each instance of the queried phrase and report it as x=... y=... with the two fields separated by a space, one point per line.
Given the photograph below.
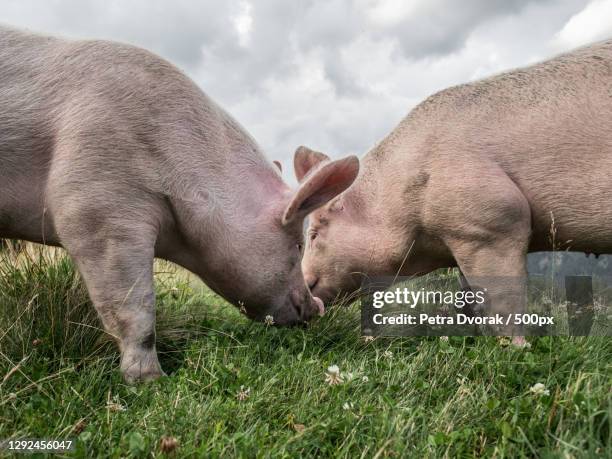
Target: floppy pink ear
x=305 y=159
x=325 y=183
x=279 y=165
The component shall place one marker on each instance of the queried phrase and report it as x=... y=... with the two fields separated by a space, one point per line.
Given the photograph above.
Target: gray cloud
x=333 y=74
x=437 y=28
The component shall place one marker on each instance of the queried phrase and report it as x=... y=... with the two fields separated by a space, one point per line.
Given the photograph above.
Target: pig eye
x=313 y=236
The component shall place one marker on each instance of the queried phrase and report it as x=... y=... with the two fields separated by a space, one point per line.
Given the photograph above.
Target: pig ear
x=328 y=181
x=279 y=165
x=305 y=159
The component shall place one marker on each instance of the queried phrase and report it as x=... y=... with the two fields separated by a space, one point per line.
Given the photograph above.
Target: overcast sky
x=336 y=75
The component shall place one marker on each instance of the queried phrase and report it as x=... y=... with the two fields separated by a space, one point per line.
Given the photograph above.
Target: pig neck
x=251 y=184
x=250 y=200
x=391 y=188
x=222 y=191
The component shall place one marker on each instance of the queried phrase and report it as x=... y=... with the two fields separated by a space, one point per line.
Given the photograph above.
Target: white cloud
x=593 y=23
x=243 y=22
x=384 y=13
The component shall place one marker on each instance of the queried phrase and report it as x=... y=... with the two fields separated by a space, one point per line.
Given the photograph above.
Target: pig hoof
x=520 y=342
x=141 y=370
x=136 y=377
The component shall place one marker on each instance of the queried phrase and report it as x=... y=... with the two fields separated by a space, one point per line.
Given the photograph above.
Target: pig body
x=477 y=176
x=114 y=154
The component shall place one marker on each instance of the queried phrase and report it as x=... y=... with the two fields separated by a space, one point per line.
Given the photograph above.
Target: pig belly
x=23 y=180
x=23 y=214
x=575 y=218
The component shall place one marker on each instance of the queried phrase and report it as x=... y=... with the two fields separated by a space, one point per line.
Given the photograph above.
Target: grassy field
x=241 y=389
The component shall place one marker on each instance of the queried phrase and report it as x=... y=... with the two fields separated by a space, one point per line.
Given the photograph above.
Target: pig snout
x=311 y=281
x=299 y=307
x=318 y=290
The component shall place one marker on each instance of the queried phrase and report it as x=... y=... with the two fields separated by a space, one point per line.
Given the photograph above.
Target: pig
x=476 y=176
x=112 y=153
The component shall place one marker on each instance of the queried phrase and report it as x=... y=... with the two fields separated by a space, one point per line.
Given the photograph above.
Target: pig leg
x=115 y=260
x=490 y=250
x=467 y=309
x=499 y=270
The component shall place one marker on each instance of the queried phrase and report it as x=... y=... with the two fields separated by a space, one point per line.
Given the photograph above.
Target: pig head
x=112 y=153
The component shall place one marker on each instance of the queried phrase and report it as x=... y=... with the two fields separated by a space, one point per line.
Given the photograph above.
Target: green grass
x=407 y=397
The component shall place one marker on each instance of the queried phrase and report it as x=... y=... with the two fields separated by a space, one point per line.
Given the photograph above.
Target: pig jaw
x=296 y=311
x=297 y=307
x=330 y=291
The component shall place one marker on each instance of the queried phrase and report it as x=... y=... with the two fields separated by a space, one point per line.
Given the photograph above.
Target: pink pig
x=476 y=176
x=112 y=153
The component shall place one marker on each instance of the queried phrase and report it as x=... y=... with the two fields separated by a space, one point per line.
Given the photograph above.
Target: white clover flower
x=539 y=389
x=443 y=338
x=114 y=406
x=243 y=393
x=388 y=354
x=347 y=406
x=367 y=339
x=521 y=344
x=503 y=341
x=333 y=375
x=269 y=320
x=365 y=379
